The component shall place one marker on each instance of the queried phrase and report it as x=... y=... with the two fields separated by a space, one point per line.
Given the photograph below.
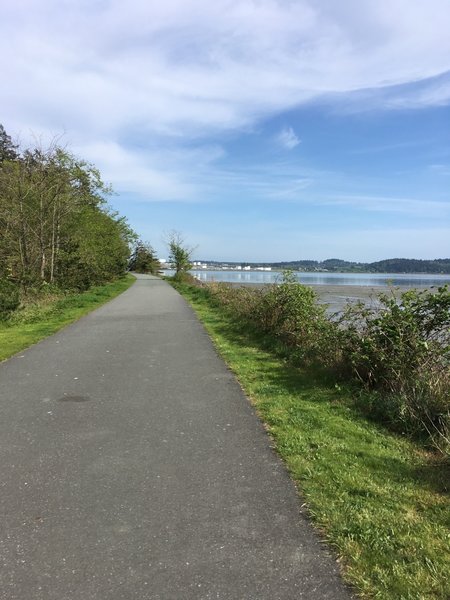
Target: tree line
x=55 y=224
x=337 y=265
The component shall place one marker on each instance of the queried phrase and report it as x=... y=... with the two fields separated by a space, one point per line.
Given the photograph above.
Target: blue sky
x=262 y=130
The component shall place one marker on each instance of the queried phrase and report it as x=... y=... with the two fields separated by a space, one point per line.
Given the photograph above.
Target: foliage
x=410 y=265
x=402 y=350
x=8 y=150
x=179 y=253
x=144 y=259
x=182 y=277
x=95 y=250
x=9 y=297
x=55 y=226
x=289 y=312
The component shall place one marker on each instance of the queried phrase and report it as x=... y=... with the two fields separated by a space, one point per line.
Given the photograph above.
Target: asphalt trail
x=133 y=467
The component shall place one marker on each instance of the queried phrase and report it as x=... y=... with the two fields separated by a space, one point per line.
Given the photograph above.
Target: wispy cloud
x=391 y=204
x=440 y=169
x=156 y=175
x=189 y=67
x=287 y=138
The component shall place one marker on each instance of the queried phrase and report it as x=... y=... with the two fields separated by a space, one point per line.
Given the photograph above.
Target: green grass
x=42 y=318
x=380 y=500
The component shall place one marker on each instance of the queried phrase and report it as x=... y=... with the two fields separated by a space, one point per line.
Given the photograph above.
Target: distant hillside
x=390 y=265
x=410 y=265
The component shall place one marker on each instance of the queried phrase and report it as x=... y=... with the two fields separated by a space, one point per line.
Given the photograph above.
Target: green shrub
x=185 y=278
x=401 y=350
x=290 y=312
x=9 y=297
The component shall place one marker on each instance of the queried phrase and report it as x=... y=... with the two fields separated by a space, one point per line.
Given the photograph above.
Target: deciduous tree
x=179 y=253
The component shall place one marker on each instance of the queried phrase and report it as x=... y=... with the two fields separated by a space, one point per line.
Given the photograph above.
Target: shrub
x=241 y=302
x=9 y=297
x=290 y=312
x=183 y=277
x=402 y=351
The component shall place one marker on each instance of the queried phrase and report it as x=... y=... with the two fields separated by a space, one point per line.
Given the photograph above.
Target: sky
x=262 y=130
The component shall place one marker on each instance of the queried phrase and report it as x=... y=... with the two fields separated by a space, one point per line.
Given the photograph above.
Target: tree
x=179 y=254
x=55 y=226
x=94 y=249
x=144 y=259
x=8 y=150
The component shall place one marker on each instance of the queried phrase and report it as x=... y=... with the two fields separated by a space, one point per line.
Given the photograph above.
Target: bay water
x=333 y=289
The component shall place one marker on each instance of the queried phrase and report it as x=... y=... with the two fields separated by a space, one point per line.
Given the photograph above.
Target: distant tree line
x=337 y=265
x=410 y=265
x=55 y=225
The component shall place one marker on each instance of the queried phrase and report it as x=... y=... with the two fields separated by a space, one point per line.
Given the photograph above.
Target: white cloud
x=287 y=138
x=392 y=204
x=153 y=175
x=132 y=172
x=194 y=65
x=182 y=70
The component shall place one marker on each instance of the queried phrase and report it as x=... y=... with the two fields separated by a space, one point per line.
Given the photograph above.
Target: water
x=354 y=279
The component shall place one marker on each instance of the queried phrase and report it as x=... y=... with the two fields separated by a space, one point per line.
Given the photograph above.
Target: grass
x=43 y=318
x=380 y=500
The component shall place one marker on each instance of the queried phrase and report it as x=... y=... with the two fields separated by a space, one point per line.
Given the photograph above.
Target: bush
x=289 y=312
x=183 y=277
x=401 y=350
x=9 y=298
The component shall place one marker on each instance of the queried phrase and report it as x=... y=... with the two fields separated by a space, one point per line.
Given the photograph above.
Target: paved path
x=132 y=467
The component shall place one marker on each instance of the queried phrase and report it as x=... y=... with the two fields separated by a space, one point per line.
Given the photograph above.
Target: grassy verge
x=380 y=500
x=43 y=318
